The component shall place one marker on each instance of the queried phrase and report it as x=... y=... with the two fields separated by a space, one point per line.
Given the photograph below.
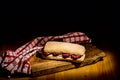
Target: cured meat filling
x=64 y=55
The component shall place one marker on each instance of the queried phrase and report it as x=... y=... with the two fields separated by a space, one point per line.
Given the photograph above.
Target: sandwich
x=56 y=50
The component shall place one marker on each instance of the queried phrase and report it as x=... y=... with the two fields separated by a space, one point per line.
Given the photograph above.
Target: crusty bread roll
x=64 y=51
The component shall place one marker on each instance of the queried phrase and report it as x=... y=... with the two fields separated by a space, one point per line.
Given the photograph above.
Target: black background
x=17 y=29
x=21 y=25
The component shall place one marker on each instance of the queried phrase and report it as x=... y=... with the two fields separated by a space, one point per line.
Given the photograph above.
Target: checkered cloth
x=18 y=60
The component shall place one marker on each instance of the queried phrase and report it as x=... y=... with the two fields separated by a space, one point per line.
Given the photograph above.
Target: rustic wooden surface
x=43 y=67
x=102 y=70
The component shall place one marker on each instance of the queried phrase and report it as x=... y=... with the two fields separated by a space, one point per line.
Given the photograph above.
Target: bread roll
x=64 y=51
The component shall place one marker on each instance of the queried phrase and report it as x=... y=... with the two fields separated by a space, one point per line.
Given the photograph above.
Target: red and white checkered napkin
x=18 y=60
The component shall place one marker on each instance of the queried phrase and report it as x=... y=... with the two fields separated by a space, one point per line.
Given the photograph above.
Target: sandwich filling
x=63 y=55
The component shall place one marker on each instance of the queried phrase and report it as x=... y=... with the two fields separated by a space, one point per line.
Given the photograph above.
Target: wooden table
x=103 y=70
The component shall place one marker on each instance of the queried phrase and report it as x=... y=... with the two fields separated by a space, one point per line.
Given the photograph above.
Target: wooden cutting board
x=43 y=67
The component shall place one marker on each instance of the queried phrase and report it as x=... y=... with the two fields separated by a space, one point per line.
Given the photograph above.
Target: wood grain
x=43 y=67
x=102 y=70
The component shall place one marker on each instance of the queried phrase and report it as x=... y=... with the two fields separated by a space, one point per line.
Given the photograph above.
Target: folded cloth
x=18 y=60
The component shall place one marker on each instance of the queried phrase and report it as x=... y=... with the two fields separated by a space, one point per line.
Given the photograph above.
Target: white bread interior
x=64 y=47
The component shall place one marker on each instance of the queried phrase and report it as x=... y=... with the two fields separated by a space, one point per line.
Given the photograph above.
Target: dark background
x=19 y=29
x=21 y=25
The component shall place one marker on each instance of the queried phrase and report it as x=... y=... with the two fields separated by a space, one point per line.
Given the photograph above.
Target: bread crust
x=64 y=47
